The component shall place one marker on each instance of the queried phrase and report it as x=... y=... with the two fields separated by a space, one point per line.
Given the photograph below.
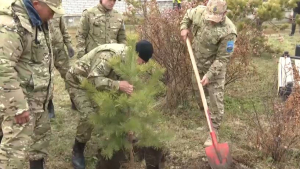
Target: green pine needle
x=117 y=113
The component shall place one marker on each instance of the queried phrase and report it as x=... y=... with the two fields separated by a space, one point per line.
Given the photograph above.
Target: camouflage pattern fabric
x=85 y=107
x=215 y=10
x=25 y=82
x=42 y=130
x=93 y=67
x=59 y=38
x=214 y=93
x=15 y=141
x=213 y=44
x=55 y=5
x=99 y=26
x=41 y=136
x=59 y=30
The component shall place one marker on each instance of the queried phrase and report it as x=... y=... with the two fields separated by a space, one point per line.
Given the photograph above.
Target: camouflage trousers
x=15 y=142
x=41 y=136
x=214 y=93
x=85 y=107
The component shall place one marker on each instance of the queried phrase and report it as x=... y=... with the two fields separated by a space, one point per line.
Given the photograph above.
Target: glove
x=70 y=51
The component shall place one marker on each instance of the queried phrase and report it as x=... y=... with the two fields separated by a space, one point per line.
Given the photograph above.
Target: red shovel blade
x=218 y=154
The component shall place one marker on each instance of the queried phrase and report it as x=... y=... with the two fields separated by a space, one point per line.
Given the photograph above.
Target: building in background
x=74 y=8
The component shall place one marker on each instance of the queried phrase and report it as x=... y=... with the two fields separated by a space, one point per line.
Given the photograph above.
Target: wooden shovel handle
x=199 y=84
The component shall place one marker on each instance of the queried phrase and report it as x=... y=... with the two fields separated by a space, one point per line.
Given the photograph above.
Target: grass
x=283 y=41
x=252 y=92
x=189 y=125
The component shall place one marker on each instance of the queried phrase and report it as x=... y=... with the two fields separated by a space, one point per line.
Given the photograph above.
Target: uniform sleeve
x=225 y=50
x=65 y=33
x=121 y=34
x=12 y=98
x=82 y=34
x=187 y=19
x=99 y=74
x=61 y=59
x=95 y=71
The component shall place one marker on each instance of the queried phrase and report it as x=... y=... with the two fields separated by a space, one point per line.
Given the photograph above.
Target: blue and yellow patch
x=230 y=46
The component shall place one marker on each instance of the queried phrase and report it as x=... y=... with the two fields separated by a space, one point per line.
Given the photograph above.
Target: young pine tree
x=121 y=117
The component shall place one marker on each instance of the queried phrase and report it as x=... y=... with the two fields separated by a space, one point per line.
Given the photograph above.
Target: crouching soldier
x=94 y=67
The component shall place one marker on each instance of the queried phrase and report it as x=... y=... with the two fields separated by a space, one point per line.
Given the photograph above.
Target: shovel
x=218 y=154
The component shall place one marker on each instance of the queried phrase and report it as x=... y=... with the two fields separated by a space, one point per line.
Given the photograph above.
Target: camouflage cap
x=215 y=10
x=55 y=5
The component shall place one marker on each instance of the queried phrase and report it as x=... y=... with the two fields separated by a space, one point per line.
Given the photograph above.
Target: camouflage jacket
x=26 y=62
x=99 y=26
x=212 y=44
x=59 y=29
x=59 y=38
x=94 y=67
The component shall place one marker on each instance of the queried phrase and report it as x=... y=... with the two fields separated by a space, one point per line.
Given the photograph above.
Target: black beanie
x=144 y=49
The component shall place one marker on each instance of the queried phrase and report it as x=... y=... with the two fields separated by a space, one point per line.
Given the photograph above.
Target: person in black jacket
x=296 y=11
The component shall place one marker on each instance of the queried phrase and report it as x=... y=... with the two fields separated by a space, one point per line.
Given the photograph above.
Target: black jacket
x=297 y=9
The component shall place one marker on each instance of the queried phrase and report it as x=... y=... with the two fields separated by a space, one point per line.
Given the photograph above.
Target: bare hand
x=184 y=34
x=124 y=86
x=204 y=81
x=22 y=118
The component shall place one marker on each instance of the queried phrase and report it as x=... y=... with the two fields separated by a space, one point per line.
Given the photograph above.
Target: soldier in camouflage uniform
x=25 y=80
x=100 y=25
x=61 y=39
x=93 y=66
x=214 y=38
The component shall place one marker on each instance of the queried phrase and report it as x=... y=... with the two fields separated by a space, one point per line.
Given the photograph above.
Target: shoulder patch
x=230 y=46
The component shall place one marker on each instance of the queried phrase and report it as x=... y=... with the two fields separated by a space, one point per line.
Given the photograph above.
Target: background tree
x=261 y=9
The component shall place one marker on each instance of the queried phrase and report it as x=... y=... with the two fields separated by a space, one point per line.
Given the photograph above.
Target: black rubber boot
x=51 y=111
x=78 y=155
x=37 y=164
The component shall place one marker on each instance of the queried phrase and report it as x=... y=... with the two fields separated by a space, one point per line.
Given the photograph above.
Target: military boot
x=37 y=164
x=78 y=155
